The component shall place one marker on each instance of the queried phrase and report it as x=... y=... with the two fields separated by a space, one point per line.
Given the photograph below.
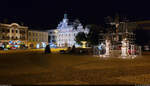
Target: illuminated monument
x=124 y=48
x=66 y=32
x=107 y=54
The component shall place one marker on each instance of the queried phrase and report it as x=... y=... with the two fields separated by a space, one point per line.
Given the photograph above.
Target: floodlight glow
x=37 y=46
x=43 y=44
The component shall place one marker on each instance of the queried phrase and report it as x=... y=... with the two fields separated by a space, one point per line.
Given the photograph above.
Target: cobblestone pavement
x=38 y=68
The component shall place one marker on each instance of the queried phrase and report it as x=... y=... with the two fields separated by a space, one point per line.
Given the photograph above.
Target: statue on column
x=124 y=48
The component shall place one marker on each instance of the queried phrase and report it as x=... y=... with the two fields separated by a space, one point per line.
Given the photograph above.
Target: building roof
x=37 y=30
x=12 y=24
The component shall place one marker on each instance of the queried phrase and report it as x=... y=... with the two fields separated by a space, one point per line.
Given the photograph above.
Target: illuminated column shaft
x=132 y=50
x=107 y=48
x=124 y=48
x=124 y=51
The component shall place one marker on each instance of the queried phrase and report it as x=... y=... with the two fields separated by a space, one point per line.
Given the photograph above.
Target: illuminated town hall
x=66 y=32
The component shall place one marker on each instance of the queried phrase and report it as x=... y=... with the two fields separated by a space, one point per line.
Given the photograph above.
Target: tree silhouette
x=81 y=36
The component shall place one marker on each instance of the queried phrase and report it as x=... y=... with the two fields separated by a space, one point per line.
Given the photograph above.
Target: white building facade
x=66 y=33
x=52 y=36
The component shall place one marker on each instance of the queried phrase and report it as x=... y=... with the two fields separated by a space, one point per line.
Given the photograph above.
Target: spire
x=117 y=18
x=65 y=16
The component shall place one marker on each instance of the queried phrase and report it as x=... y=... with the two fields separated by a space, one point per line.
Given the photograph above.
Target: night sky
x=48 y=13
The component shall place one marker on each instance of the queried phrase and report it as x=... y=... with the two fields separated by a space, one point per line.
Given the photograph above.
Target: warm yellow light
x=83 y=44
x=8 y=46
x=55 y=50
x=55 y=31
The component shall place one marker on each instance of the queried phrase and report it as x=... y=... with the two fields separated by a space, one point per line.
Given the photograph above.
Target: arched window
x=12 y=37
x=12 y=31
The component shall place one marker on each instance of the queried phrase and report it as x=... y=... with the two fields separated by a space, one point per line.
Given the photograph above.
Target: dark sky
x=48 y=13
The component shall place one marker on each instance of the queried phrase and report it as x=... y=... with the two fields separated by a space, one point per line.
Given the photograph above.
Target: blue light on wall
x=38 y=46
x=16 y=46
x=43 y=44
x=52 y=45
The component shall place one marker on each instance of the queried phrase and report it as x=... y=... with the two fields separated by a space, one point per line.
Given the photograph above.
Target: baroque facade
x=66 y=32
x=13 y=35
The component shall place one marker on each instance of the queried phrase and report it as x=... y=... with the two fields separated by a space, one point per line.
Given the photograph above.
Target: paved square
x=35 y=67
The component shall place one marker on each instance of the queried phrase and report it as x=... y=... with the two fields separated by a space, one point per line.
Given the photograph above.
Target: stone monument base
x=124 y=52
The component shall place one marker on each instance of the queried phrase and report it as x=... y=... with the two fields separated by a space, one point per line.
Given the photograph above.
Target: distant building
x=52 y=36
x=37 y=39
x=118 y=29
x=125 y=29
x=13 y=35
x=67 y=31
x=143 y=32
x=101 y=36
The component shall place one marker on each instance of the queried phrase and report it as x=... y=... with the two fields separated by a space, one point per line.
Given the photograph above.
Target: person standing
x=47 y=49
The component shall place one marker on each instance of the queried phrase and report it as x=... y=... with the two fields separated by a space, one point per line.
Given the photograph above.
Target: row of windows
x=51 y=32
x=4 y=30
x=36 y=40
x=14 y=38
x=36 y=34
x=67 y=35
x=36 y=37
x=13 y=31
x=65 y=44
x=52 y=37
x=65 y=40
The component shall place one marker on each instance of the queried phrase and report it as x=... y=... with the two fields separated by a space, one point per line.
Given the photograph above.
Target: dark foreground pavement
x=38 y=68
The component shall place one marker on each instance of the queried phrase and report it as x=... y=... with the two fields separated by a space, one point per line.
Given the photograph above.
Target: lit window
x=12 y=37
x=29 y=33
x=12 y=31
